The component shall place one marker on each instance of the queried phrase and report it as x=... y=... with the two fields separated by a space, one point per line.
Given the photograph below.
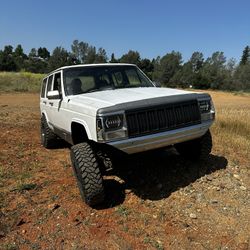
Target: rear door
x=47 y=102
x=43 y=97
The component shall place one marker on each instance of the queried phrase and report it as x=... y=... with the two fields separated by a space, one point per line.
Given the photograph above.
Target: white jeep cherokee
x=103 y=108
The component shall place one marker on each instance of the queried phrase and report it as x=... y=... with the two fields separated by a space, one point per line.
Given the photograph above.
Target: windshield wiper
x=99 y=89
x=107 y=88
x=129 y=86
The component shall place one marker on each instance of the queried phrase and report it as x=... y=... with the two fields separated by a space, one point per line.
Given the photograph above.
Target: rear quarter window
x=43 y=87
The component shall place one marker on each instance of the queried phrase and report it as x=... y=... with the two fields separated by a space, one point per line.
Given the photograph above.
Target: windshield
x=80 y=80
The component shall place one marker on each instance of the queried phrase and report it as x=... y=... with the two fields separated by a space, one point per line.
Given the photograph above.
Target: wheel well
x=78 y=133
x=43 y=116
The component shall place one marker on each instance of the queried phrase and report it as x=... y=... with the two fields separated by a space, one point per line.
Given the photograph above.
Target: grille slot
x=162 y=118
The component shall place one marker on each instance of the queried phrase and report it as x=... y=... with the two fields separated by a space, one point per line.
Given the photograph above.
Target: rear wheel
x=196 y=149
x=48 y=138
x=87 y=172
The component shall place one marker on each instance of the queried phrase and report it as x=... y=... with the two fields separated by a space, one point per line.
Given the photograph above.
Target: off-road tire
x=198 y=149
x=87 y=172
x=48 y=138
x=105 y=160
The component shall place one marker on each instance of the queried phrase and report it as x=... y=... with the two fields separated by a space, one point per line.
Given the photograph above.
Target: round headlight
x=113 y=122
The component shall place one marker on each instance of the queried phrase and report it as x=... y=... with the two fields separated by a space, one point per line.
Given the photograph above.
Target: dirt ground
x=155 y=200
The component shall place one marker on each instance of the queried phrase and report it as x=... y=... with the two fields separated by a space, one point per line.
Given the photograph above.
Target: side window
x=49 y=85
x=57 y=82
x=43 y=87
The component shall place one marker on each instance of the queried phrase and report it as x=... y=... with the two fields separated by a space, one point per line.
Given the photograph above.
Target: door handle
x=51 y=103
x=44 y=102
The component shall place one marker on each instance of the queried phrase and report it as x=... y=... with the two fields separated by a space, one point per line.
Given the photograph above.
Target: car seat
x=76 y=86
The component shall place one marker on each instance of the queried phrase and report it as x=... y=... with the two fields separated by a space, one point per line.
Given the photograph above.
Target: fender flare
x=84 y=124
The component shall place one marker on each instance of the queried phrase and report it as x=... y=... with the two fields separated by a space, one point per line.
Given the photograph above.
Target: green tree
x=8 y=50
x=190 y=73
x=113 y=59
x=80 y=51
x=213 y=72
x=218 y=59
x=166 y=68
x=19 y=57
x=229 y=82
x=101 y=56
x=75 y=50
x=35 y=63
x=91 y=55
x=7 y=60
x=147 y=67
x=131 y=57
x=43 y=53
x=242 y=77
x=245 y=56
x=60 y=57
x=196 y=61
x=183 y=77
x=19 y=51
x=156 y=72
x=33 y=53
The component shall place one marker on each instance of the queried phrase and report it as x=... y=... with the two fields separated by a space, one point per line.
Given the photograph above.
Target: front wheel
x=196 y=149
x=87 y=172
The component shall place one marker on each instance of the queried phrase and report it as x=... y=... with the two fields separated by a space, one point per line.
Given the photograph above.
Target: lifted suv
x=98 y=108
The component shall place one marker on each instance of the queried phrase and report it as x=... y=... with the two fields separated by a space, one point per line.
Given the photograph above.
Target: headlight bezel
x=106 y=128
x=207 y=110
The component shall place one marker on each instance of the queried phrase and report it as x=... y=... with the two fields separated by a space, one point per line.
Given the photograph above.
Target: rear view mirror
x=54 y=94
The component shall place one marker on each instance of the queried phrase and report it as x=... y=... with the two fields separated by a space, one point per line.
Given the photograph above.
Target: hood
x=107 y=98
x=113 y=99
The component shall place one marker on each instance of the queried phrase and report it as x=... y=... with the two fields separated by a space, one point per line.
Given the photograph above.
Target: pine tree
x=113 y=59
x=245 y=56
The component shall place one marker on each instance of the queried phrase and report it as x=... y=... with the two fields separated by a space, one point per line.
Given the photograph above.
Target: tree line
x=214 y=72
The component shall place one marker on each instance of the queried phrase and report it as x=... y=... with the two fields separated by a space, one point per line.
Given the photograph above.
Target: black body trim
x=63 y=134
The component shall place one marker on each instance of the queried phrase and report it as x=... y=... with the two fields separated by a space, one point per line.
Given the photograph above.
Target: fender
x=84 y=124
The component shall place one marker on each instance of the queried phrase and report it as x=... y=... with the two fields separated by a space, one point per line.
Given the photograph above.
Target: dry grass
x=20 y=82
x=231 y=131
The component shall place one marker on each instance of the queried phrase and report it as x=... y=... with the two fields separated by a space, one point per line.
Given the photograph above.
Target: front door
x=57 y=111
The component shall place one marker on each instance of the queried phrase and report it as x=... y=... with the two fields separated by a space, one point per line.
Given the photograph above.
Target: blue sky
x=151 y=27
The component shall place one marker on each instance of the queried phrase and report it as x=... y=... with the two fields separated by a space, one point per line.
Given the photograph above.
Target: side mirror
x=157 y=84
x=54 y=94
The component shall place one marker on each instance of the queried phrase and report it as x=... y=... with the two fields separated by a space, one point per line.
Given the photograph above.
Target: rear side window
x=43 y=88
x=49 y=85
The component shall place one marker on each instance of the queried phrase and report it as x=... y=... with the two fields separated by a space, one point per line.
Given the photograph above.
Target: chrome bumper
x=163 y=139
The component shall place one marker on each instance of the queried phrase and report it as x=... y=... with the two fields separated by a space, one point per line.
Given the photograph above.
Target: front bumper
x=163 y=139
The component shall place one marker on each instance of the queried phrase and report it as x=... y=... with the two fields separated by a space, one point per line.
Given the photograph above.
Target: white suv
x=101 y=109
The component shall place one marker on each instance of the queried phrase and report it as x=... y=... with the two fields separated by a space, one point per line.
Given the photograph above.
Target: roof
x=92 y=65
